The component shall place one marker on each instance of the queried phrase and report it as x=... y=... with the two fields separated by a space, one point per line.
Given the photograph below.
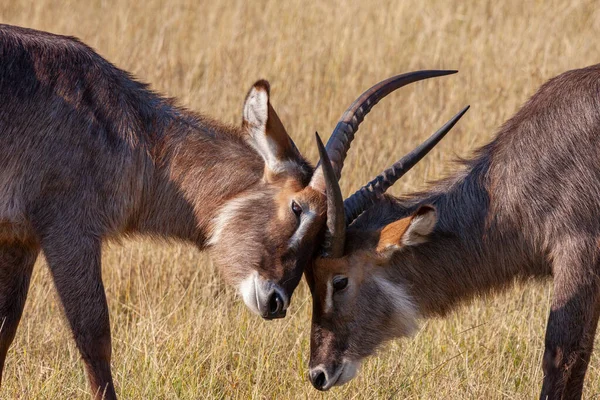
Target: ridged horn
x=343 y=134
x=368 y=194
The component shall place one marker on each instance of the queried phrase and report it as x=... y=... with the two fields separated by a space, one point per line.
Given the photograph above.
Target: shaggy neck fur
x=198 y=165
x=474 y=249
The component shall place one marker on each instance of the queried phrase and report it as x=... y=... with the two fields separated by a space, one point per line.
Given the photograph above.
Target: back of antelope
x=526 y=205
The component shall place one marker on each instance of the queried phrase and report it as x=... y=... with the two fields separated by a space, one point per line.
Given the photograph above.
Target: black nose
x=318 y=378
x=275 y=305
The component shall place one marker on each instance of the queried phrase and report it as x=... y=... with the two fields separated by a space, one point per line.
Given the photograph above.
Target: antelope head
x=267 y=235
x=357 y=303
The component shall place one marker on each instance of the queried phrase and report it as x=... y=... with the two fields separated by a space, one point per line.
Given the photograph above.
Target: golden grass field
x=178 y=331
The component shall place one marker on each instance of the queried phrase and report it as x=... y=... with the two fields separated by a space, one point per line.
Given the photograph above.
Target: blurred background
x=178 y=331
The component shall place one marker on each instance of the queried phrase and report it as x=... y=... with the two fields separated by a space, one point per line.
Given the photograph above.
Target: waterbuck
x=89 y=154
x=525 y=205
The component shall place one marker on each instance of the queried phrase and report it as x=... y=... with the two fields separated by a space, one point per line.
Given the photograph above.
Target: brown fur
x=526 y=206
x=88 y=154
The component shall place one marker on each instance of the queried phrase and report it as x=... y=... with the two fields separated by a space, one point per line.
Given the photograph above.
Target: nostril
x=275 y=304
x=319 y=380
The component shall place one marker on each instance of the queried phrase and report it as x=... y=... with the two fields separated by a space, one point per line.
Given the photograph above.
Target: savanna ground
x=178 y=331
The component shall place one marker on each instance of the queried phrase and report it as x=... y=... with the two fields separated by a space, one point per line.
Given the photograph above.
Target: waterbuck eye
x=296 y=208
x=339 y=283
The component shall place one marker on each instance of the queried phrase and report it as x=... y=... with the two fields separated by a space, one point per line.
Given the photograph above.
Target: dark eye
x=296 y=208
x=339 y=283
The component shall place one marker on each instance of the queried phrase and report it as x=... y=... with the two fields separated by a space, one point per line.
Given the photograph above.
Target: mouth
x=335 y=378
x=348 y=371
x=257 y=304
x=249 y=292
x=263 y=297
x=345 y=373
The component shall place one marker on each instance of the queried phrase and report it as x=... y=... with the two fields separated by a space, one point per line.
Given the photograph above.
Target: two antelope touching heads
x=357 y=303
x=265 y=237
x=305 y=216
x=243 y=193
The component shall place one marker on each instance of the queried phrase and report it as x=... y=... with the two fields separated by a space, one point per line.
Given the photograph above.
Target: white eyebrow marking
x=306 y=219
x=329 y=297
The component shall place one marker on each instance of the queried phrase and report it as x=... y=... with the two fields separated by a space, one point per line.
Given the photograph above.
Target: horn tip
x=319 y=141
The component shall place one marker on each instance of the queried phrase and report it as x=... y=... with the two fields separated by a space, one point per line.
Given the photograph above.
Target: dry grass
x=178 y=332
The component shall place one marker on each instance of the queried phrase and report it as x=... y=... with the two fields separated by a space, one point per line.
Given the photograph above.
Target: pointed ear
x=267 y=134
x=408 y=231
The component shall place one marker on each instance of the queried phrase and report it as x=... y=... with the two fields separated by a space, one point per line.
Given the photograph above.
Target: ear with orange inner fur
x=408 y=231
x=267 y=134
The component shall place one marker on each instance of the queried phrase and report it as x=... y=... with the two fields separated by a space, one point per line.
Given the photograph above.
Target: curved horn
x=335 y=234
x=368 y=194
x=343 y=134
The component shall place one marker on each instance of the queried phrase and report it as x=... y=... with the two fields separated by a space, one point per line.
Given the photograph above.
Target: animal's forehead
x=326 y=267
x=313 y=203
x=288 y=184
x=312 y=197
x=360 y=252
x=294 y=187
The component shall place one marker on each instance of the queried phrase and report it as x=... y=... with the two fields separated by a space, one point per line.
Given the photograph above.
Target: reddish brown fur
x=391 y=234
x=87 y=154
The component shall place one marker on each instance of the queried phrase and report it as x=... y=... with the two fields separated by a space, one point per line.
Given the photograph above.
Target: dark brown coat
x=526 y=205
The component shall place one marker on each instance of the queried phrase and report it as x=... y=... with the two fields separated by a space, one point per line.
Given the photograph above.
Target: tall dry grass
x=178 y=332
